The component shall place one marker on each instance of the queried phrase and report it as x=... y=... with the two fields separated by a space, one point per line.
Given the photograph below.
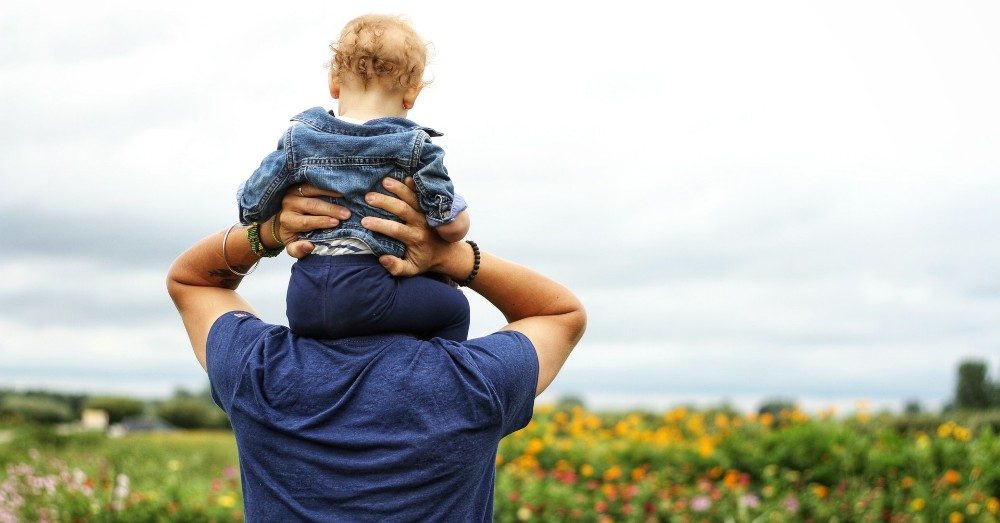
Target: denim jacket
x=352 y=160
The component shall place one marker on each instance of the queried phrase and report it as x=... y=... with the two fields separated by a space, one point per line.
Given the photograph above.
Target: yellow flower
x=972 y=509
x=524 y=513
x=962 y=434
x=676 y=415
x=923 y=440
x=906 y=482
x=917 y=504
x=993 y=505
x=534 y=446
x=820 y=491
x=946 y=429
x=174 y=465
x=227 y=501
x=767 y=491
x=766 y=419
x=587 y=470
x=705 y=446
x=956 y=517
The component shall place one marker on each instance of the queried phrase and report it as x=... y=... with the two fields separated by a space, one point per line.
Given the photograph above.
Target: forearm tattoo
x=225 y=277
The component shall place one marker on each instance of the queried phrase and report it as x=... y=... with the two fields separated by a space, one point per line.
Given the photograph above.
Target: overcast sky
x=752 y=199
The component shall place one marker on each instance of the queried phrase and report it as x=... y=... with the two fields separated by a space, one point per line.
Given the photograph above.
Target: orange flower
x=906 y=482
x=638 y=474
x=951 y=477
x=731 y=480
x=820 y=490
x=956 y=517
x=612 y=473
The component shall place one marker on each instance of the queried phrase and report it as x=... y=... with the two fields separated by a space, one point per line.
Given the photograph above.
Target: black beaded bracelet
x=475 y=265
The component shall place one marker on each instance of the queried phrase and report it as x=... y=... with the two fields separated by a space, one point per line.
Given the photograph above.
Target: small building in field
x=94 y=419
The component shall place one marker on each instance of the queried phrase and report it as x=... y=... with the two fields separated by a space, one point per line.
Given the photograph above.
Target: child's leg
x=343 y=296
x=422 y=301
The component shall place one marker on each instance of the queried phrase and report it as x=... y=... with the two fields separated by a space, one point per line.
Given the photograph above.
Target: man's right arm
x=547 y=313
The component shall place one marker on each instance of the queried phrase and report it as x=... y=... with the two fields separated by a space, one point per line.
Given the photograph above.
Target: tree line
x=186 y=410
x=974 y=391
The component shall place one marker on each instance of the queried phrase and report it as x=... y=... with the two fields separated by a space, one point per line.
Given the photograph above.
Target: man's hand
x=425 y=250
x=301 y=211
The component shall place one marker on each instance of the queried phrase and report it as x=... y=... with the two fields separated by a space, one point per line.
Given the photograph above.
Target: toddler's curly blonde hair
x=380 y=49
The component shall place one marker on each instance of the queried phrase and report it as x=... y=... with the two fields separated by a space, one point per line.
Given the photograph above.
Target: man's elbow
x=174 y=287
x=576 y=322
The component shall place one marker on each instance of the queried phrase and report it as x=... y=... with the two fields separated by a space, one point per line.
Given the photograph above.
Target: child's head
x=379 y=52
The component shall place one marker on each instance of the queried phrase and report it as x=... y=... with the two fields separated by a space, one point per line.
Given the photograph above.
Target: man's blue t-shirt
x=375 y=428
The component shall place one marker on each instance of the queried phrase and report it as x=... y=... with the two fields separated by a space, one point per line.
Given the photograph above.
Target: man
x=386 y=427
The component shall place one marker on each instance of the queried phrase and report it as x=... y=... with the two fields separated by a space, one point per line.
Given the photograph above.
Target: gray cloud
x=733 y=226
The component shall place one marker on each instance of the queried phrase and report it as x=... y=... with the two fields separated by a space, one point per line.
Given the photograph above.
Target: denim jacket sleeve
x=434 y=188
x=260 y=196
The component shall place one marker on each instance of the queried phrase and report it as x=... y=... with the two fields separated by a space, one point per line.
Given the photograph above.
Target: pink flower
x=792 y=504
x=749 y=501
x=700 y=503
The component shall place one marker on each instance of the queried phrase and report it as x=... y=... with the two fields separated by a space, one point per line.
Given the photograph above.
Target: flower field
x=568 y=465
x=177 y=476
x=717 y=466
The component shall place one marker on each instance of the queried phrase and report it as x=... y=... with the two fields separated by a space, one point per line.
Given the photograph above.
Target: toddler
x=340 y=289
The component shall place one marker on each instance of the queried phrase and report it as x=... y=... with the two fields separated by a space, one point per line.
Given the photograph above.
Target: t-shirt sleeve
x=231 y=341
x=508 y=361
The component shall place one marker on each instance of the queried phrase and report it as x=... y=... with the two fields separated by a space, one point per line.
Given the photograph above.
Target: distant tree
x=192 y=413
x=35 y=409
x=773 y=406
x=913 y=407
x=973 y=391
x=568 y=402
x=117 y=407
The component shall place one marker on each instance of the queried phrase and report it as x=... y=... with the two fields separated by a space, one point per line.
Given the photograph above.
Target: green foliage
x=117 y=407
x=38 y=409
x=192 y=413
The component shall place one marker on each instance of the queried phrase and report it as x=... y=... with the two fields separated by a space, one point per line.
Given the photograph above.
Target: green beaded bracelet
x=257 y=246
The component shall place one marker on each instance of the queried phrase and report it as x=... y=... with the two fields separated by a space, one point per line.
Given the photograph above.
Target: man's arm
x=203 y=287
x=534 y=305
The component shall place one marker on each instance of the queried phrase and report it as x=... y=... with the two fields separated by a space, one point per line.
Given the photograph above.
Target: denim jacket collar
x=320 y=119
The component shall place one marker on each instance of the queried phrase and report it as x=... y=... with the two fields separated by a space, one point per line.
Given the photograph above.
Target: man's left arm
x=202 y=281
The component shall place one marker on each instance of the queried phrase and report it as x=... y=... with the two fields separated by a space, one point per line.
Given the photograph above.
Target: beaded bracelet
x=257 y=246
x=475 y=265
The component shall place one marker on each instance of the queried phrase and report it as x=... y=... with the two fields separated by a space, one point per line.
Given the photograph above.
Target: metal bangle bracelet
x=225 y=257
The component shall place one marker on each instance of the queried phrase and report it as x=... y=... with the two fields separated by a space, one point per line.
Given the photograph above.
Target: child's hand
x=301 y=211
x=456 y=230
